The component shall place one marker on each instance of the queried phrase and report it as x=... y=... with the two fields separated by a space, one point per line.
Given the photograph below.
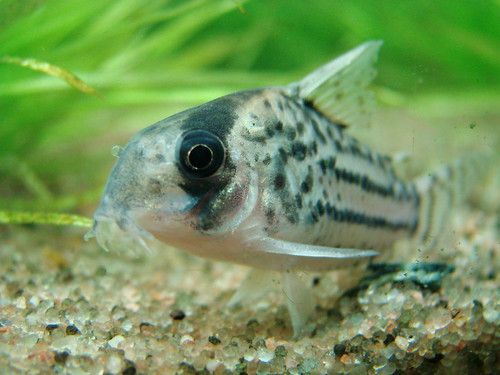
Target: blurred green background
x=149 y=59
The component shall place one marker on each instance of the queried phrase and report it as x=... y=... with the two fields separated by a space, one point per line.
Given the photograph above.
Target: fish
x=271 y=179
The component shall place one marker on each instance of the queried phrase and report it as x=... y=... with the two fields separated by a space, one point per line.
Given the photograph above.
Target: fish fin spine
x=338 y=89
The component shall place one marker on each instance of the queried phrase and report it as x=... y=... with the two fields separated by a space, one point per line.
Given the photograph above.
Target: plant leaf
x=53 y=218
x=53 y=70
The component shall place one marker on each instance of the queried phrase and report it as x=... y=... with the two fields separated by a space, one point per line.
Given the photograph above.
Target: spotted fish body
x=321 y=186
x=270 y=178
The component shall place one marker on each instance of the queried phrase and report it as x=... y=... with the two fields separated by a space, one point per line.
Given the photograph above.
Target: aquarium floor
x=67 y=307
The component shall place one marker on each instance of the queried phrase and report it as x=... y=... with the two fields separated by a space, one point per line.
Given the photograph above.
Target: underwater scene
x=249 y=187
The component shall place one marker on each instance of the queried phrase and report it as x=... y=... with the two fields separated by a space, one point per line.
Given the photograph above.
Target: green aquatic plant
x=52 y=70
x=12 y=217
x=148 y=60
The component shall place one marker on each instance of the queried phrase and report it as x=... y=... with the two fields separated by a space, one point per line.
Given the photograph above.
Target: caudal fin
x=440 y=192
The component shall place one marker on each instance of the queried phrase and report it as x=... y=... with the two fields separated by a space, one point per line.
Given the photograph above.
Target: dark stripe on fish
x=377 y=222
x=327 y=164
x=212 y=208
x=319 y=134
x=364 y=182
x=219 y=115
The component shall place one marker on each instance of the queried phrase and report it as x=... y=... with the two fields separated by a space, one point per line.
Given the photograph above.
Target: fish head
x=179 y=181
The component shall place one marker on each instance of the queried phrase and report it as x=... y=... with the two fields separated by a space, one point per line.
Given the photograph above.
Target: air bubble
x=116 y=151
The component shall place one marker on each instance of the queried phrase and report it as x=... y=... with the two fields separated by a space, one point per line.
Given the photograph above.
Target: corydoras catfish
x=270 y=178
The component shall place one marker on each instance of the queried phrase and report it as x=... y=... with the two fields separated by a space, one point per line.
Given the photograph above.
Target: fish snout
x=117 y=231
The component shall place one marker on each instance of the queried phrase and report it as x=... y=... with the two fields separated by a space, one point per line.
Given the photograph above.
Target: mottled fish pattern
x=270 y=178
x=320 y=179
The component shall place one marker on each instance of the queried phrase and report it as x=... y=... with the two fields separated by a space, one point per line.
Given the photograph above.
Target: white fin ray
x=299 y=299
x=257 y=283
x=275 y=246
x=339 y=88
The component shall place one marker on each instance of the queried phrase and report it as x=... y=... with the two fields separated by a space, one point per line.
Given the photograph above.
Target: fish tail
x=445 y=189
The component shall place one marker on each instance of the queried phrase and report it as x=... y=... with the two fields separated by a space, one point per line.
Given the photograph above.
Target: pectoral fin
x=275 y=246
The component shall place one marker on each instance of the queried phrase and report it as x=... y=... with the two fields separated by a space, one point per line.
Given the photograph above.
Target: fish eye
x=201 y=153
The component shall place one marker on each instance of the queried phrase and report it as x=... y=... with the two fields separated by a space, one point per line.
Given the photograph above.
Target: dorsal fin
x=339 y=88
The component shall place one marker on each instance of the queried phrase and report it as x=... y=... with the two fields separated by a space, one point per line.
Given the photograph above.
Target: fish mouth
x=117 y=231
x=120 y=226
